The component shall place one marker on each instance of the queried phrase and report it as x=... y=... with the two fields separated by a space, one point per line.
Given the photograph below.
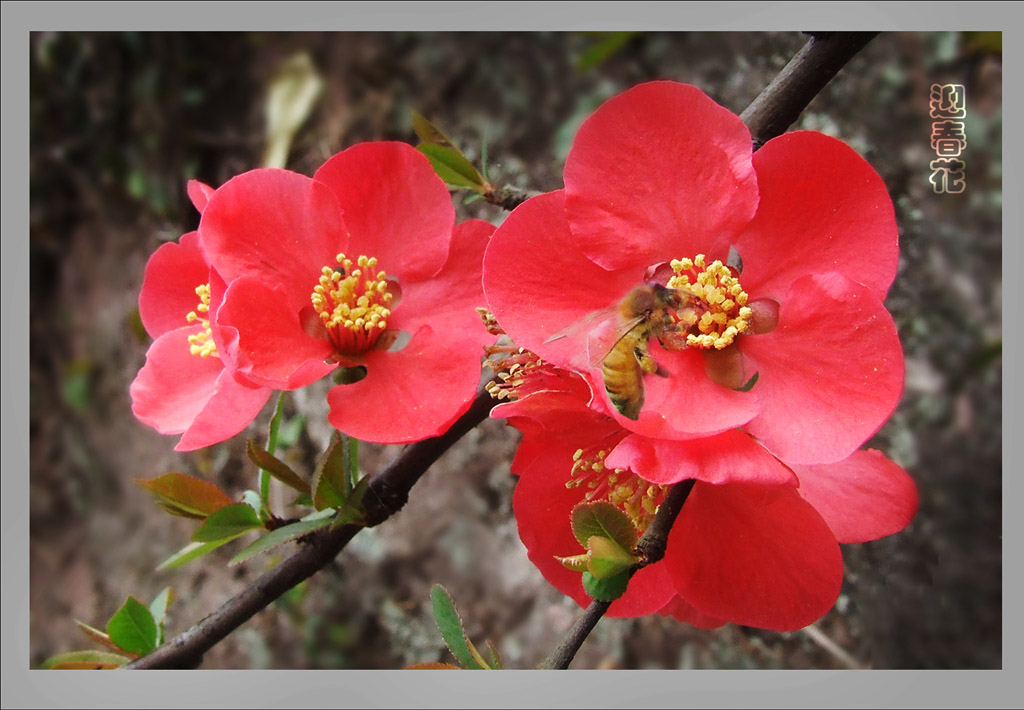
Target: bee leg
x=643 y=356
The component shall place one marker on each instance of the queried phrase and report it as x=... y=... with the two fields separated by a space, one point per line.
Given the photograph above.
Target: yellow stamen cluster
x=634 y=496
x=353 y=303
x=201 y=343
x=719 y=302
x=512 y=366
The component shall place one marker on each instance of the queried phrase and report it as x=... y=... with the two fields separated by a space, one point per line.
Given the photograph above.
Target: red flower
x=184 y=387
x=659 y=185
x=754 y=544
x=360 y=266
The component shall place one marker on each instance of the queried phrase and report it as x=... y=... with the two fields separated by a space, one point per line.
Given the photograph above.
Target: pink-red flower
x=660 y=185
x=360 y=266
x=759 y=549
x=184 y=387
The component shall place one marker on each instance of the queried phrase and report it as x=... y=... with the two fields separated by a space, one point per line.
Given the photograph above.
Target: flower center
x=201 y=343
x=622 y=488
x=353 y=304
x=717 y=305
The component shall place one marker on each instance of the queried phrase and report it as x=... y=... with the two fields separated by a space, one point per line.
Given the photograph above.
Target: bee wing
x=584 y=325
x=603 y=343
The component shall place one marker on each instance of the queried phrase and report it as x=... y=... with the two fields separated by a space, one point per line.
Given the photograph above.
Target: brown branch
x=387 y=493
x=770 y=114
x=780 y=104
x=508 y=197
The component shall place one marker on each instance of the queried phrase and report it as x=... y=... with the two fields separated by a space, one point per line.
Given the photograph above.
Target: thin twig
x=768 y=116
x=387 y=493
x=508 y=197
x=651 y=547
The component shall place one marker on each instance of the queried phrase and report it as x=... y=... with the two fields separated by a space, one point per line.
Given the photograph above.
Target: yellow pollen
x=201 y=343
x=622 y=488
x=353 y=307
x=718 y=302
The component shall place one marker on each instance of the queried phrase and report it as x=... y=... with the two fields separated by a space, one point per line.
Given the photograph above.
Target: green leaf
x=450 y=625
x=577 y=563
x=191 y=551
x=428 y=132
x=94 y=634
x=132 y=628
x=228 y=523
x=433 y=667
x=276 y=468
x=605 y=590
x=352 y=511
x=331 y=482
x=187 y=496
x=477 y=656
x=452 y=166
x=158 y=608
x=279 y=536
x=603 y=520
x=496 y=662
x=607 y=558
x=597 y=53
x=84 y=660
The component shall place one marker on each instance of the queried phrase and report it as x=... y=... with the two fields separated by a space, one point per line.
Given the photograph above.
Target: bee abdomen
x=623 y=380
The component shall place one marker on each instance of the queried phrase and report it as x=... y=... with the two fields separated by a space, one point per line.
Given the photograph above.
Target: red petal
x=681 y=611
x=823 y=208
x=659 y=172
x=685 y=404
x=231 y=408
x=537 y=282
x=276 y=226
x=169 y=286
x=830 y=374
x=199 y=193
x=542 y=506
x=174 y=385
x=261 y=330
x=729 y=457
x=396 y=208
x=449 y=300
x=862 y=498
x=411 y=394
x=754 y=555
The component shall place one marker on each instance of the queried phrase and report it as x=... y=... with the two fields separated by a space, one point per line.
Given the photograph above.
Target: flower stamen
x=621 y=487
x=718 y=303
x=201 y=343
x=353 y=304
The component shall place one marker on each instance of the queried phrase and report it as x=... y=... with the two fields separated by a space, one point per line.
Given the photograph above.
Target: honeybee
x=646 y=312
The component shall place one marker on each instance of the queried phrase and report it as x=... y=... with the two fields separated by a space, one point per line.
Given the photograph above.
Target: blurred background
x=120 y=121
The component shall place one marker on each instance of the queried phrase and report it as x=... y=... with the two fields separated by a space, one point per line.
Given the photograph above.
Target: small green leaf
x=450 y=625
x=496 y=662
x=352 y=511
x=607 y=558
x=132 y=628
x=603 y=520
x=187 y=496
x=452 y=166
x=158 y=608
x=477 y=656
x=228 y=523
x=605 y=590
x=191 y=551
x=84 y=660
x=577 y=563
x=331 y=482
x=252 y=499
x=433 y=667
x=428 y=132
x=276 y=468
x=279 y=536
x=94 y=634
